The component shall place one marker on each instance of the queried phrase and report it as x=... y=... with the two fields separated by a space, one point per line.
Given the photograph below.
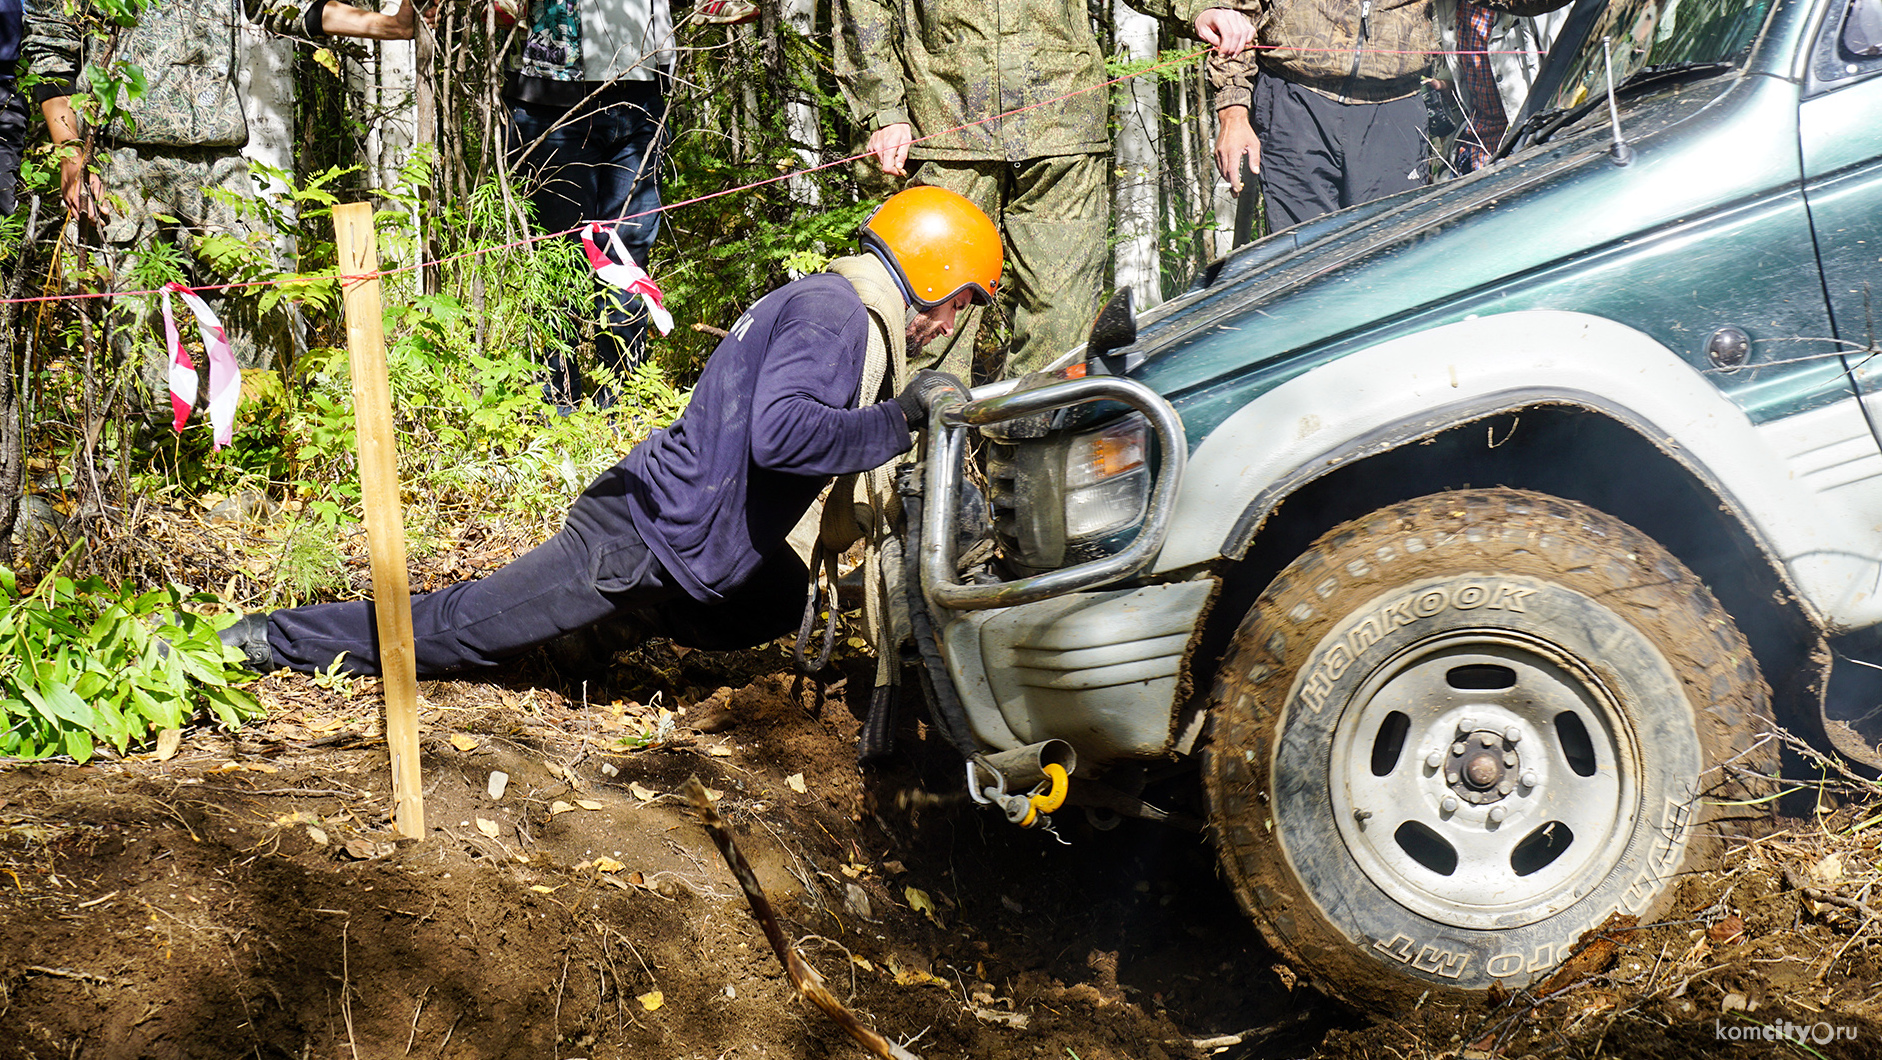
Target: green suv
x=1471 y=541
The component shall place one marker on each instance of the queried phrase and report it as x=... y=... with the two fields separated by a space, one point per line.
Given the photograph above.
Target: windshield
x=1641 y=33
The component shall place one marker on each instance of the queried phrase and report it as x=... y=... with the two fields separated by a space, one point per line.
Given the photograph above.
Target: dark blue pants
x=1318 y=155
x=603 y=164
x=597 y=568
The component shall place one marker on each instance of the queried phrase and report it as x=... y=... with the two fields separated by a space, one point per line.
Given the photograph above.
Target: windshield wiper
x=1546 y=123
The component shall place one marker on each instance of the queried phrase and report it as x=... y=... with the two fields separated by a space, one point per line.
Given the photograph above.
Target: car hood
x=1466 y=246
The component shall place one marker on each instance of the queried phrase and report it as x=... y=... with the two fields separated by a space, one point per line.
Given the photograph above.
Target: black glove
x=919 y=396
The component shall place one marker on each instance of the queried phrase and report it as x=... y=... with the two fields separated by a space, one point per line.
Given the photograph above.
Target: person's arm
x=1226 y=28
x=1235 y=139
x=314 y=19
x=869 y=71
x=54 y=50
x=83 y=192
x=345 y=20
x=801 y=422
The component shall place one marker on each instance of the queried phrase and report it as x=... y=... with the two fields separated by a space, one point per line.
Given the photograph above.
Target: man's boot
x=249 y=635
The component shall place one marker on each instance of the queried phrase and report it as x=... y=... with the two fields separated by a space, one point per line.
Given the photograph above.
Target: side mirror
x=1115 y=328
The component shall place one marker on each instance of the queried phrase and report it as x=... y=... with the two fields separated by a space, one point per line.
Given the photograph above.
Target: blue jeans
x=601 y=165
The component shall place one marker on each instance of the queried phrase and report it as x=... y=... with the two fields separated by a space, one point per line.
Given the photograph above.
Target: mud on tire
x=1460 y=731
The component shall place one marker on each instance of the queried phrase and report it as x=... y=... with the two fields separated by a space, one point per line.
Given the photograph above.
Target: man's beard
x=920 y=332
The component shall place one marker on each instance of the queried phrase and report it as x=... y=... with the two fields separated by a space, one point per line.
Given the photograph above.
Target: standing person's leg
x=1057 y=226
x=1301 y=160
x=628 y=187
x=983 y=184
x=1386 y=149
x=597 y=567
x=559 y=175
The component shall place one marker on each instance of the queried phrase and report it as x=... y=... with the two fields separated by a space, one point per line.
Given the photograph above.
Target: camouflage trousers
x=174 y=196
x=1054 y=215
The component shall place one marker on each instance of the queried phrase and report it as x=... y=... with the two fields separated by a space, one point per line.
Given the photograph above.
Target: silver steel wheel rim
x=1514 y=857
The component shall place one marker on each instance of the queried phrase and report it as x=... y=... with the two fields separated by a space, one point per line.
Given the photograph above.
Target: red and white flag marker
x=628 y=277
x=225 y=376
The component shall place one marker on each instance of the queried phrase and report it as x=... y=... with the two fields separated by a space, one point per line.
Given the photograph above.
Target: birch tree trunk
x=265 y=82
x=1134 y=195
x=800 y=116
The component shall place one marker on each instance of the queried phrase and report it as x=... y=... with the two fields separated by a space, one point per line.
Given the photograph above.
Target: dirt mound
x=246 y=896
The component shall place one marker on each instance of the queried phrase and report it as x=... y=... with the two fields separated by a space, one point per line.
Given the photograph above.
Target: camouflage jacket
x=1354 y=51
x=943 y=65
x=186 y=50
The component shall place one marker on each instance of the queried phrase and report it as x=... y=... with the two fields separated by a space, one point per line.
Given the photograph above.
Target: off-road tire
x=1587 y=616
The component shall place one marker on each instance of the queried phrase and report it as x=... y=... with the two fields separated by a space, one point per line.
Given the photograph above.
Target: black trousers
x=1319 y=155
x=596 y=569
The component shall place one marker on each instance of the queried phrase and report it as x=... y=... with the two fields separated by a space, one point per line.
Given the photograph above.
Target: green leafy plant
x=84 y=662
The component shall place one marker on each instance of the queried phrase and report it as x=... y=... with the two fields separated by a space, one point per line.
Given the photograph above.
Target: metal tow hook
x=1049 y=763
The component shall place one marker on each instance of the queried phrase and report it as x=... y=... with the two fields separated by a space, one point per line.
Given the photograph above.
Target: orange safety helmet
x=939 y=243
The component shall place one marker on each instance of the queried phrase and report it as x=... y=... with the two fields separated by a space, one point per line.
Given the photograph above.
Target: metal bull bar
x=948 y=422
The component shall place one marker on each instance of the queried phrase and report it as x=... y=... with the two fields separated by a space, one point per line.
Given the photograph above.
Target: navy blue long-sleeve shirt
x=770 y=422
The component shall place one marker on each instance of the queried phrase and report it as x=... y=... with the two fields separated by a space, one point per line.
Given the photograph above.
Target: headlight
x=1107 y=482
x=1067 y=498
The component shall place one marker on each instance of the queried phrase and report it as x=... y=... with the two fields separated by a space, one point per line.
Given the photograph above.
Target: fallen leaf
x=464 y=742
x=852 y=871
x=916 y=977
x=328 y=725
x=642 y=793
x=1726 y=930
x=651 y=1000
x=862 y=963
x=361 y=849
x=488 y=827
x=894 y=868
x=540 y=889
x=167 y=743
x=318 y=836
x=919 y=901
x=719 y=750
x=796 y=783
x=588 y=804
x=608 y=865
x=558 y=806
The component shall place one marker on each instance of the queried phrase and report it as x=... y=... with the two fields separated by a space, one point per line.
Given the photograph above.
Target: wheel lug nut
x=1509 y=758
x=1486 y=739
x=1362 y=815
x=1457 y=748
x=1449 y=805
x=1529 y=779
x=1434 y=760
x=1504 y=788
x=1497 y=813
x=1451 y=776
x=1513 y=734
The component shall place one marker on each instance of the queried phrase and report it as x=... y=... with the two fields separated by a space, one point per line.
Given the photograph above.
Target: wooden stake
x=385 y=524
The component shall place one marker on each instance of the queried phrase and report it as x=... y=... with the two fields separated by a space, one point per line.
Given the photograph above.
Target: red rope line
x=348 y=279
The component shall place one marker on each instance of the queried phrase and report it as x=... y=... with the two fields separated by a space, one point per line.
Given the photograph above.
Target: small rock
x=499 y=782
x=1732 y=1003
x=856 y=900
